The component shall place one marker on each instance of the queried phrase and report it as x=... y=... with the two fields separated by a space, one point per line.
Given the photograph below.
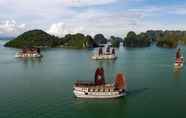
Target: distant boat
x=99 y=89
x=179 y=59
x=109 y=54
x=29 y=53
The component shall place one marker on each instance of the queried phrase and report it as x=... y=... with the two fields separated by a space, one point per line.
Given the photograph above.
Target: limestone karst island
x=41 y=39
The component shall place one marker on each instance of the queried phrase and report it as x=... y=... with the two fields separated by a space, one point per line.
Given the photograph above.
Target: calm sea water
x=42 y=88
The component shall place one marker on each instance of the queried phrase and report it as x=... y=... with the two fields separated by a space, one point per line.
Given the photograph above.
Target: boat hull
x=177 y=65
x=98 y=95
x=104 y=57
x=28 y=55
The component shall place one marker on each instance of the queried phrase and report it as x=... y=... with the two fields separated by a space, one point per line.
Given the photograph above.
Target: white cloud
x=56 y=29
x=113 y=23
x=95 y=21
x=60 y=17
x=87 y=2
x=10 y=27
x=60 y=29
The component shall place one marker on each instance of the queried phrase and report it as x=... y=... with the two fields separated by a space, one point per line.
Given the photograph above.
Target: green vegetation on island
x=41 y=39
x=167 y=39
x=134 y=40
x=34 y=38
x=78 y=41
x=100 y=39
x=164 y=39
x=115 y=41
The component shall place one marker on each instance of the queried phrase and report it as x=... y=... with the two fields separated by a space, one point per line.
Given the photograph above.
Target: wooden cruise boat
x=179 y=62
x=108 y=54
x=29 y=53
x=99 y=89
x=179 y=59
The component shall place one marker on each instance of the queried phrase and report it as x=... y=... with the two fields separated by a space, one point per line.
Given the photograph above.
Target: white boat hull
x=176 y=65
x=98 y=95
x=179 y=63
x=103 y=57
x=84 y=92
x=27 y=55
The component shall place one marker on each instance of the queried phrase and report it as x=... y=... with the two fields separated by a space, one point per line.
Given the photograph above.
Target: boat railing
x=84 y=83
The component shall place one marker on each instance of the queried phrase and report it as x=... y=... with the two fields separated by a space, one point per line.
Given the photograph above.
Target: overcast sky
x=110 y=17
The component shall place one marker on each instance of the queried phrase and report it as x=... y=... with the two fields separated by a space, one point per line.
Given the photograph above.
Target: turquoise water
x=42 y=88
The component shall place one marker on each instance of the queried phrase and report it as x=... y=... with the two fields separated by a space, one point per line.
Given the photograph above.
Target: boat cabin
x=30 y=50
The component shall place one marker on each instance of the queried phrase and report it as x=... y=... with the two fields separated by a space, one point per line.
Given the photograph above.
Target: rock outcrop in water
x=134 y=40
x=78 y=41
x=100 y=39
x=115 y=41
x=165 y=39
x=34 y=38
x=41 y=39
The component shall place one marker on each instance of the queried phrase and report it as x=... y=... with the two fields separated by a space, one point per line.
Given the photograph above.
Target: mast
x=178 y=53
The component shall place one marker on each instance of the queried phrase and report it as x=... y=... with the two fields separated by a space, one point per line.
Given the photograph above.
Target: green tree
x=100 y=39
x=115 y=41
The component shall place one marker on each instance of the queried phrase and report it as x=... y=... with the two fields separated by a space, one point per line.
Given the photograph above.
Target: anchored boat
x=99 y=89
x=179 y=59
x=29 y=53
x=108 y=54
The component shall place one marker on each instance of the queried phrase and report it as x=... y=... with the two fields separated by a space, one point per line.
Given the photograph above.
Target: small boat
x=110 y=54
x=179 y=60
x=29 y=53
x=99 y=89
x=178 y=65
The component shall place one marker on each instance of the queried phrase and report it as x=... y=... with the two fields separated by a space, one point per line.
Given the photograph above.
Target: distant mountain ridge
x=6 y=37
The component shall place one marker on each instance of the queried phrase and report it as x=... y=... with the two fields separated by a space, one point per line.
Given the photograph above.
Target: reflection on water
x=177 y=73
x=27 y=62
x=102 y=107
x=106 y=62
